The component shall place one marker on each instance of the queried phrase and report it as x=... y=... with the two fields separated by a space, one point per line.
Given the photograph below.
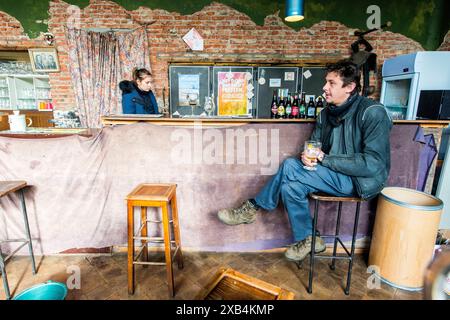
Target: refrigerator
x=408 y=81
x=443 y=188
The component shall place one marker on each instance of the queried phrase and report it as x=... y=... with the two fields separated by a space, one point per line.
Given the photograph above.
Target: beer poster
x=232 y=93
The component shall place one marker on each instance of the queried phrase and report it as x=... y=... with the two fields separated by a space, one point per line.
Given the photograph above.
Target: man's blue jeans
x=293 y=183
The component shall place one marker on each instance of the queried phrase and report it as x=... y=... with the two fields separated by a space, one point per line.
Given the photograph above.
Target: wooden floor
x=105 y=276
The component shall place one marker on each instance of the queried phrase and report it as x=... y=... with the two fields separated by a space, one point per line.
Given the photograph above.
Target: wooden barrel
x=404 y=236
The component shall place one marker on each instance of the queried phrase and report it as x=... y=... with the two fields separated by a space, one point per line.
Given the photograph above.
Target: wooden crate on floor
x=228 y=284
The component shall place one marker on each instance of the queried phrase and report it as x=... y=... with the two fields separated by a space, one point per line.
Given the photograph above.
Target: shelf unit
x=23 y=92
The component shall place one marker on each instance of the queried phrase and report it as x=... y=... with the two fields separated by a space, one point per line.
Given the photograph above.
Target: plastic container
x=44 y=291
x=404 y=236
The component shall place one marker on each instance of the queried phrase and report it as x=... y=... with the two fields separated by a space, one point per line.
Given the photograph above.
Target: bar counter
x=78 y=182
x=229 y=121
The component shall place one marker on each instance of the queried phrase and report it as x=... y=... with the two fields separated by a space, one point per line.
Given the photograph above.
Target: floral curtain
x=98 y=62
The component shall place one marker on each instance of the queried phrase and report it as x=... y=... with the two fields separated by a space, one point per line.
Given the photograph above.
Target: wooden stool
x=7 y=187
x=153 y=195
x=349 y=255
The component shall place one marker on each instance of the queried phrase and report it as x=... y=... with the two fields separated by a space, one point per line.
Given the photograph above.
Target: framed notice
x=234 y=90
x=189 y=85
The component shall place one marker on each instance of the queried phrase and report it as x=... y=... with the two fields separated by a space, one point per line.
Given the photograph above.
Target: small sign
x=262 y=81
x=309 y=96
x=307 y=74
x=194 y=40
x=275 y=83
x=289 y=76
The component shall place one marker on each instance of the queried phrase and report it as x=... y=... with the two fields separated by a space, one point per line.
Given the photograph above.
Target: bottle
x=289 y=107
x=319 y=106
x=302 y=107
x=273 y=106
x=311 y=109
x=281 y=111
x=278 y=104
x=295 y=109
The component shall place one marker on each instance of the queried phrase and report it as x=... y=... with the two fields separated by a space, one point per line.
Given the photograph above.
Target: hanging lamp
x=294 y=10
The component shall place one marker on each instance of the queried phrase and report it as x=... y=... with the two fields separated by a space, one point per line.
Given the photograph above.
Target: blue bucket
x=44 y=291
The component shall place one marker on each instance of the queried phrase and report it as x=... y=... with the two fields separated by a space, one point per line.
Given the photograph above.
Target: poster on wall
x=188 y=89
x=194 y=40
x=232 y=93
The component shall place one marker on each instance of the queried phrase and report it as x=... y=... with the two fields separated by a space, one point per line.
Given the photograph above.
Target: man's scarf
x=334 y=115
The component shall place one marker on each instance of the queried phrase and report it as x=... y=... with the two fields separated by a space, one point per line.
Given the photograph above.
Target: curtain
x=98 y=62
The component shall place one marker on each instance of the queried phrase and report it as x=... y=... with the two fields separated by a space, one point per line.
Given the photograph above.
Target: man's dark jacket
x=366 y=154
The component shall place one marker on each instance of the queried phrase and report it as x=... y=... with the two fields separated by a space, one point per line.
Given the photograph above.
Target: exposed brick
x=229 y=36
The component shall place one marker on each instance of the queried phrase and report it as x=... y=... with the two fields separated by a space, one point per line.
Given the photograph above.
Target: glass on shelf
x=209 y=106
x=15 y=67
x=4 y=103
x=193 y=101
x=4 y=93
x=42 y=94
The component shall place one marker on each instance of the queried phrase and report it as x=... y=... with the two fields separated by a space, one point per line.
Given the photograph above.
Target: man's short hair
x=348 y=71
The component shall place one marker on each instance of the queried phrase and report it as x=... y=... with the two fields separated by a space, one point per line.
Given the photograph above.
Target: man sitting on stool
x=354 y=160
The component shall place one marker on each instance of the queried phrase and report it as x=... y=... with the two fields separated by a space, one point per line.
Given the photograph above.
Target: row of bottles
x=291 y=107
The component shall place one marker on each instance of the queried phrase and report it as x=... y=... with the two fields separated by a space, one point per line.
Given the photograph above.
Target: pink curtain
x=98 y=62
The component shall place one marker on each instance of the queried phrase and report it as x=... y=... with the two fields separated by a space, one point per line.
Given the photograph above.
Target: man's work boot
x=298 y=251
x=246 y=213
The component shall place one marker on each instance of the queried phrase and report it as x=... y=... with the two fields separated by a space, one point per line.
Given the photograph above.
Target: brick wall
x=12 y=35
x=229 y=37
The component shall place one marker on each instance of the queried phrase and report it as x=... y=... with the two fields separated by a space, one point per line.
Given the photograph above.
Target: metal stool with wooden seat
x=153 y=195
x=349 y=255
x=7 y=187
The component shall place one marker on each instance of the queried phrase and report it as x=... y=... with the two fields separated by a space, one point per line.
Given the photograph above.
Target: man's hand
x=307 y=161
x=320 y=156
x=311 y=162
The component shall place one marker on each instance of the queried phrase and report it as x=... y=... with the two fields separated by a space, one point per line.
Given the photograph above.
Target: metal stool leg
x=167 y=249
x=313 y=246
x=4 y=277
x=27 y=229
x=144 y=233
x=338 y=223
x=350 y=264
x=176 y=231
x=130 y=214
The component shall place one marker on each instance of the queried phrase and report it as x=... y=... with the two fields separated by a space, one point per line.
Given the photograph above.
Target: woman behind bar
x=137 y=95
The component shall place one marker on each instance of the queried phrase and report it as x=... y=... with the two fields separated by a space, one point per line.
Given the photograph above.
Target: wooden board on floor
x=229 y=284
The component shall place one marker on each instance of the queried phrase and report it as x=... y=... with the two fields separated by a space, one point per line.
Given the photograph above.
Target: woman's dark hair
x=348 y=71
x=140 y=74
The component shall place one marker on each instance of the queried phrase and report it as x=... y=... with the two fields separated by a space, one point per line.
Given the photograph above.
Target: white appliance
x=443 y=188
x=405 y=77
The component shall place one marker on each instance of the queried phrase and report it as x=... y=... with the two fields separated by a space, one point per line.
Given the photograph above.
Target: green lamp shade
x=294 y=10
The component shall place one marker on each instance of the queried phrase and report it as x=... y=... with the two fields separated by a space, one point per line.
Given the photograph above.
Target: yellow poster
x=232 y=93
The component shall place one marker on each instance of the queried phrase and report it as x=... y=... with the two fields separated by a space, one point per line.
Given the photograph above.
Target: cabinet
x=23 y=92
